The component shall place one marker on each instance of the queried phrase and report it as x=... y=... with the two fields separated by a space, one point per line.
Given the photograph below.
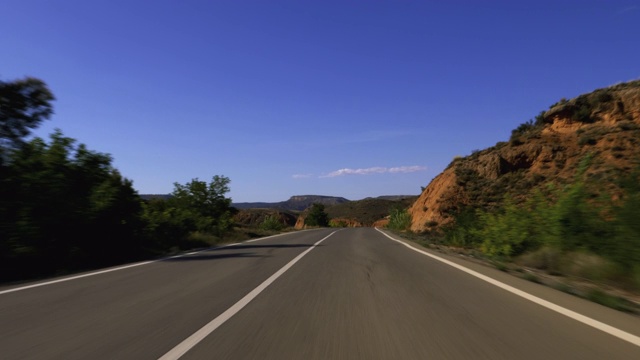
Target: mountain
x=602 y=126
x=155 y=196
x=295 y=203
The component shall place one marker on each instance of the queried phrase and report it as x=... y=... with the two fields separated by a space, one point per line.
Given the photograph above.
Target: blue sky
x=344 y=98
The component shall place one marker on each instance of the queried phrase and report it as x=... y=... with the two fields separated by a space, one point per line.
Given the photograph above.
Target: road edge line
x=195 y=338
x=99 y=272
x=620 y=334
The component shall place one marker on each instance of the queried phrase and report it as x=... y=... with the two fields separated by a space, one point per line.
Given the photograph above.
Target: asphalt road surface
x=318 y=294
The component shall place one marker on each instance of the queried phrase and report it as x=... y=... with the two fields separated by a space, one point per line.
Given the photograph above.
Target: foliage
x=529 y=127
x=317 y=216
x=167 y=226
x=211 y=210
x=195 y=207
x=271 y=222
x=566 y=220
x=367 y=211
x=505 y=233
x=24 y=104
x=64 y=206
x=399 y=219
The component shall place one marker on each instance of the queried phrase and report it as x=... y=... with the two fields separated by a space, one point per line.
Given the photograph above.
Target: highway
x=316 y=294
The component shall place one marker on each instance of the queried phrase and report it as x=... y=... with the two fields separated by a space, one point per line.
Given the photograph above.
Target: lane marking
x=623 y=335
x=75 y=277
x=129 y=266
x=199 y=335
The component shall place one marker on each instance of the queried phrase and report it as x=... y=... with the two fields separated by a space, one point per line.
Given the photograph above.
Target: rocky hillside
x=255 y=217
x=604 y=124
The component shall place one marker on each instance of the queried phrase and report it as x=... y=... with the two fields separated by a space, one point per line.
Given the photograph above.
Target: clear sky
x=343 y=98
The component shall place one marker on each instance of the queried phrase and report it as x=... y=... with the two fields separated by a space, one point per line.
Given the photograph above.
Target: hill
x=255 y=217
x=604 y=125
x=295 y=203
x=366 y=212
x=155 y=196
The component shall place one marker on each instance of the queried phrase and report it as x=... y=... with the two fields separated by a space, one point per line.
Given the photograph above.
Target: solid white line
x=623 y=335
x=199 y=335
x=126 y=267
x=75 y=277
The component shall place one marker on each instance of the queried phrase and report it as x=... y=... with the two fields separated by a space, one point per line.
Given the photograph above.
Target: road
x=357 y=294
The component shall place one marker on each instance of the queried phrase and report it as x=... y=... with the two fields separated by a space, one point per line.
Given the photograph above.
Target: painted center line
x=620 y=334
x=199 y=335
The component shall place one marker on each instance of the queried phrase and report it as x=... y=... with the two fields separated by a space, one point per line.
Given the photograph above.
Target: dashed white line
x=623 y=335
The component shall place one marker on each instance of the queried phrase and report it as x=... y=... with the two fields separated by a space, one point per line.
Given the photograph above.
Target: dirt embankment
x=604 y=124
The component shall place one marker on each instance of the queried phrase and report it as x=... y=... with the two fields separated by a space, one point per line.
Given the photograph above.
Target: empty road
x=318 y=294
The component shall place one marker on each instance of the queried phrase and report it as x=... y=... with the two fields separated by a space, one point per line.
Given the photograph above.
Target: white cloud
x=301 y=176
x=375 y=170
x=407 y=169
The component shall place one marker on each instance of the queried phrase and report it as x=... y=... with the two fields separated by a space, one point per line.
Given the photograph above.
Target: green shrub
x=614 y=302
x=399 y=220
x=272 y=223
x=317 y=216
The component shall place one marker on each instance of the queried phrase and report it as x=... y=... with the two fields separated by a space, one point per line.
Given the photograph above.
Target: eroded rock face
x=550 y=153
x=433 y=204
x=300 y=223
x=381 y=223
x=255 y=217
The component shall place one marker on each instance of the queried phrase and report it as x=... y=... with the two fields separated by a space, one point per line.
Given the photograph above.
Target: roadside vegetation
x=558 y=204
x=564 y=236
x=399 y=219
x=317 y=216
x=65 y=208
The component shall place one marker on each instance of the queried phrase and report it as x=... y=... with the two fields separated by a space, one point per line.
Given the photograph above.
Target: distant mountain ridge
x=295 y=203
x=155 y=196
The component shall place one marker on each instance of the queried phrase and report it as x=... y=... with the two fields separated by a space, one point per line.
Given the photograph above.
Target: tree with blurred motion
x=63 y=207
x=24 y=104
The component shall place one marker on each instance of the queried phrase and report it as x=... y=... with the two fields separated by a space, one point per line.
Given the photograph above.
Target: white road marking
x=623 y=335
x=199 y=335
x=75 y=277
x=125 y=267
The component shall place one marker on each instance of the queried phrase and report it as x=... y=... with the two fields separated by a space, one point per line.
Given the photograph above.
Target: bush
x=271 y=223
x=506 y=233
x=317 y=216
x=399 y=220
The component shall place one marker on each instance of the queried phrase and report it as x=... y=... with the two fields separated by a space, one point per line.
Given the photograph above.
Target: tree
x=317 y=216
x=207 y=201
x=24 y=104
x=64 y=207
